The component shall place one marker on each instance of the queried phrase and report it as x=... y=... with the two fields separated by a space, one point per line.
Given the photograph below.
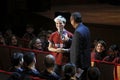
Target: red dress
x=56 y=39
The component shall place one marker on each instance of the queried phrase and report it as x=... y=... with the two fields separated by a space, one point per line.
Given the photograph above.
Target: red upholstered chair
x=5 y=62
x=36 y=78
x=106 y=69
x=4 y=75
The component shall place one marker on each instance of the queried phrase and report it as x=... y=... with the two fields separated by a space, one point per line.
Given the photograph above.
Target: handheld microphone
x=60 y=30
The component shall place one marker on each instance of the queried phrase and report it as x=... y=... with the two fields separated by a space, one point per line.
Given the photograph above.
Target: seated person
x=13 y=41
x=29 y=35
x=8 y=33
x=30 y=61
x=113 y=54
x=49 y=73
x=36 y=44
x=17 y=62
x=2 y=39
x=100 y=51
x=93 y=73
x=69 y=71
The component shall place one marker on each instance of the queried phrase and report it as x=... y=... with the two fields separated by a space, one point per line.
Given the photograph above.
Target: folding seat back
x=5 y=62
x=106 y=69
x=4 y=75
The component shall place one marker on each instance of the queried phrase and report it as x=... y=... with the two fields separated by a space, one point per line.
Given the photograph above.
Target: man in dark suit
x=80 y=48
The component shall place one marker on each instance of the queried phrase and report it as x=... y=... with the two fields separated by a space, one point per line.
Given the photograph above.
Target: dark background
x=16 y=14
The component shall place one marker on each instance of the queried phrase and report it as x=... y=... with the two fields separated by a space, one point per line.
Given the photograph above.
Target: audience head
x=35 y=43
x=95 y=41
x=69 y=70
x=13 y=41
x=29 y=58
x=8 y=32
x=29 y=28
x=49 y=32
x=17 y=59
x=93 y=73
x=2 y=40
x=100 y=46
x=49 y=61
x=114 y=49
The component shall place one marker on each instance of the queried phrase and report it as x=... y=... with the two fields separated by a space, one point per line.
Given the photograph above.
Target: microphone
x=62 y=34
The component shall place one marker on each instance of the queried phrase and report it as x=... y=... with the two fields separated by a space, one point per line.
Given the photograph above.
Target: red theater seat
x=5 y=62
x=106 y=69
x=4 y=75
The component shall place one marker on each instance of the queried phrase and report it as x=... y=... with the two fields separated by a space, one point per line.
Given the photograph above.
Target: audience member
x=49 y=32
x=29 y=35
x=30 y=61
x=13 y=41
x=100 y=51
x=2 y=39
x=36 y=44
x=44 y=36
x=17 y=62
x=93 y=73
x=69 y=71
x=7 y=35
x=113 y=54
x=116 y=49
x=49 y=73
x=94 y=43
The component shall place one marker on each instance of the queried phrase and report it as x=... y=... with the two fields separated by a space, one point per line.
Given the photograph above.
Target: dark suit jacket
x=31 y=72
x=13 y=69
x=80 y=48
x=49 y=76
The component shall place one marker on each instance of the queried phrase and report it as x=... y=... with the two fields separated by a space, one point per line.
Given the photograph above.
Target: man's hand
x=62 y=50
x=59 y=50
